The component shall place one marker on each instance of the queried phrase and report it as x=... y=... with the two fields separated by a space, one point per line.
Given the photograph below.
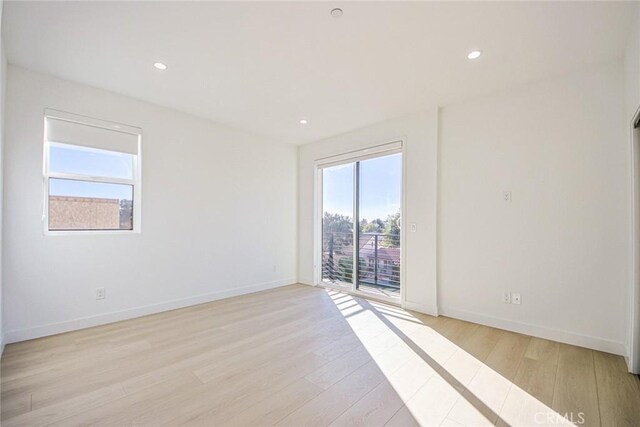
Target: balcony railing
x=379 y=259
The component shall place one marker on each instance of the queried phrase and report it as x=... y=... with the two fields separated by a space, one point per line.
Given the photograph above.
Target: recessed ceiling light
x=303 y=121
x=474 y=54
x=337 y=12
x=160 y=66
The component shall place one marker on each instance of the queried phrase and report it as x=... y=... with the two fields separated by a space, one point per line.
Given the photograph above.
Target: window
x=92 y=174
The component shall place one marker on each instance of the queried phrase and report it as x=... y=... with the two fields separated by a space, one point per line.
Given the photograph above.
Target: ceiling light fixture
x=303 y=121
x=160 y=66
x=474 y=54
x=337 y=12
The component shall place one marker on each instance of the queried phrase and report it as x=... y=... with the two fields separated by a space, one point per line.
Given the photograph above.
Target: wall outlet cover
x=515 y=299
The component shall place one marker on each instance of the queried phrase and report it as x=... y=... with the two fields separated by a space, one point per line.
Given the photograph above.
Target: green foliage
x=337 y=223
x=375 y=226
x=340 y=228
x=338 y=231
x=391 y=232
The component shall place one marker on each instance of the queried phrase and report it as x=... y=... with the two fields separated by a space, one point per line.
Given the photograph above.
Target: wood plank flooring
x=302 y=356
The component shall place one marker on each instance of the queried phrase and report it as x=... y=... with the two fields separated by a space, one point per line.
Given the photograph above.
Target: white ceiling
x=263 y=66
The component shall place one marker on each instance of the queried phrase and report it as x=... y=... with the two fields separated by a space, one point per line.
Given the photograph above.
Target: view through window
x=91 y=175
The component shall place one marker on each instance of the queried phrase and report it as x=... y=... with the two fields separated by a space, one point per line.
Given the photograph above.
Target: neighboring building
x=86 y=213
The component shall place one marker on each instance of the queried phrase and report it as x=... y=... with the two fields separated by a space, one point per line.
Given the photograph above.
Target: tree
x=391 y=232
x=339 y=227
x=126 y=214
x=375 y=226
x=337 y=223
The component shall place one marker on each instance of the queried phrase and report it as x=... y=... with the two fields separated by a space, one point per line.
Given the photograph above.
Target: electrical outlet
x=515 y=299
x=506 y=298
x=414 y=227
x=506 y=196
x=275 y=268
x=100 y=293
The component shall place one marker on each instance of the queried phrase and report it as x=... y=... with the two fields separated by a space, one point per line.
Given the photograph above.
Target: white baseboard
x=1 y=345
x=431 y=311
x=595 y=343
x=104 y=318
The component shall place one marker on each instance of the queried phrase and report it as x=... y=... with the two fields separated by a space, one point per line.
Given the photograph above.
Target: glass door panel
x=379 y=196
x=337 y=225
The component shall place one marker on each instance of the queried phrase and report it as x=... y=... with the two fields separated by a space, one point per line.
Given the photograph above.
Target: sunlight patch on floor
x=439 y=382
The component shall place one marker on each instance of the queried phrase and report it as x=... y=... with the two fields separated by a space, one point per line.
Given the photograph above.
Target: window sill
x=89 y=232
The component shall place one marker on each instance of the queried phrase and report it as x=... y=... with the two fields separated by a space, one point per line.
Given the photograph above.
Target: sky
x=380 y=187
x=93 y=162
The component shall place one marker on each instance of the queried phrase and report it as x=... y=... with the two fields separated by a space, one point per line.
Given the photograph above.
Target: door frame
x=379 y=149
x=633 y=361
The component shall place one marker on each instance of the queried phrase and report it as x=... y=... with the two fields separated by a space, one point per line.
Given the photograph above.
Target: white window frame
x=136 y=182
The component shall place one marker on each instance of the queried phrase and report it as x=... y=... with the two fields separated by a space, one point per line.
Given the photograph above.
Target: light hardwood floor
x=298 y=356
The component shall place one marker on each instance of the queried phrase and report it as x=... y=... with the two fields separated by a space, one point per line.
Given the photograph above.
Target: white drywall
x=419 y=249
x=561 y=146
x=218 y=216
x=632 y=67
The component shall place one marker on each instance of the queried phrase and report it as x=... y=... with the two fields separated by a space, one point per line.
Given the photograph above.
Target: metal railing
x=378 y=256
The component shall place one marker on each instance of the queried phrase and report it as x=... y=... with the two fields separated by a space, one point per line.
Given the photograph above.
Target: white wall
x=561 y=146
x=632 y=67
x=419 y=248
x=218 y=216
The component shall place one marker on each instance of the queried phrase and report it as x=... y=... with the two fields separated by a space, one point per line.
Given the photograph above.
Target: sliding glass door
x=361 y=223
x=378 y=215
x=337 y=225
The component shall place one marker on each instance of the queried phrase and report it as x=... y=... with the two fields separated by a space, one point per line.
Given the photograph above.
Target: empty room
x=262 y=213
